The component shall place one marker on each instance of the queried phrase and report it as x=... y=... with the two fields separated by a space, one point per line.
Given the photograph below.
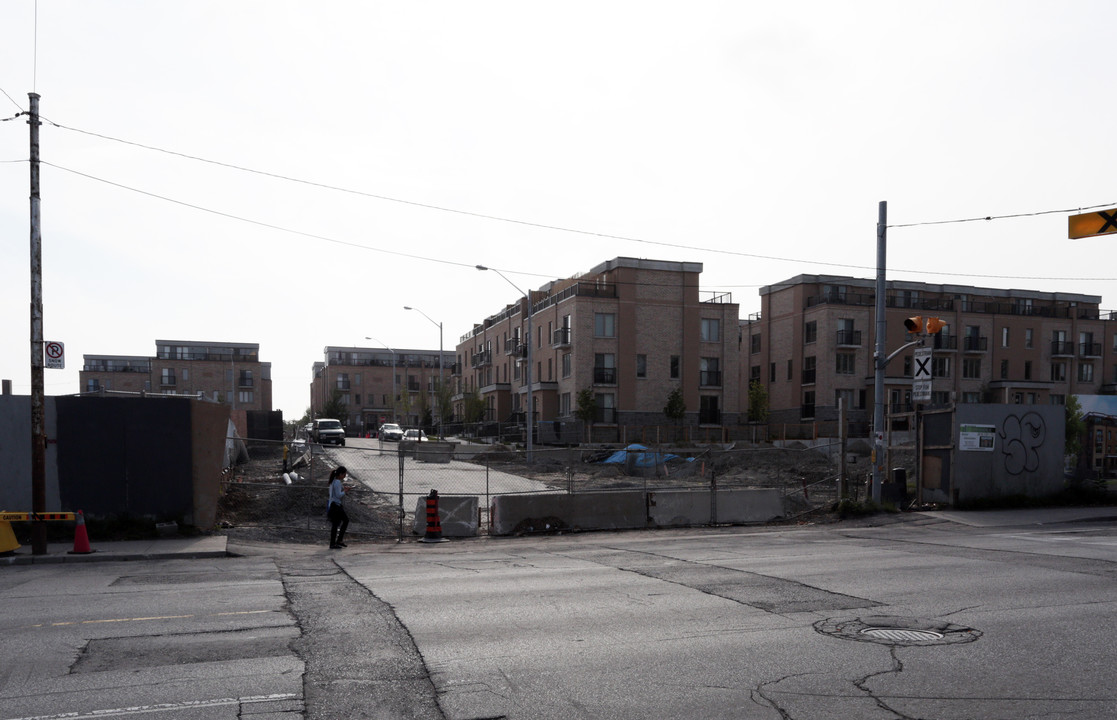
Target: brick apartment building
x=631 y=330
x=362 y=379
x=230 y=373
x=814 y=338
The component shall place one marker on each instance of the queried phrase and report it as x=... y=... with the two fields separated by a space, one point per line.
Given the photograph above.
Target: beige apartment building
x=230 y=373
x=378 y=385
x=813 y=342
x=631 y=330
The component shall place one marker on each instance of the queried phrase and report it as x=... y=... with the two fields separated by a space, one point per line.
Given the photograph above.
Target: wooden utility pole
x=38 y=399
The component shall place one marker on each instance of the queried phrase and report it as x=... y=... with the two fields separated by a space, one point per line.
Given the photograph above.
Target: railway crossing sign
x=55 y=355
x=1102 y=222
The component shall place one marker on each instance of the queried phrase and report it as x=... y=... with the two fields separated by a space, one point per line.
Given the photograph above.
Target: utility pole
x=880 y=357
x=38 y=400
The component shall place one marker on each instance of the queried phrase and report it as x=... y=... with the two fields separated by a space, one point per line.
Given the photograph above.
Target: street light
x=527 y=377
x=393 y=375
x=438 y=397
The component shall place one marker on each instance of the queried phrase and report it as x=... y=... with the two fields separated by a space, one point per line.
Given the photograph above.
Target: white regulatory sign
x=55 y=353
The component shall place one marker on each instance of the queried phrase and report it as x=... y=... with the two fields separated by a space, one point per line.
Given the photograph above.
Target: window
x=566 y=365
x=790 y=374
x=604 y=325
x=1028 y=338
x=843 y=399
x=342 y=381
x=1004 y=369
x=564 y=405
x=807 y=410
x=1085 y=372
x=1027 y=369
x=808 y=370
x=92 y=385
x=771 y=372
x=845 y=364
x=971 y=397
x=708 y=372
x=971 y=368
x=940 y=397
x=674 y=367
x=908 y=366
x=1058 y=399
x=709 y=412
x=754 y=374
x=606 y=408
x=754 y=343
x=641 y=366
x=245 y=396
x=167 y=377
x=711 y=330
x=605 y=368
x=810 y=332
x=1004 y=337
x=940 y=367
x=1058 y=372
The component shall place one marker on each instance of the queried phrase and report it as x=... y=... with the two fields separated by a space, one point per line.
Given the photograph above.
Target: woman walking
x=339 y=520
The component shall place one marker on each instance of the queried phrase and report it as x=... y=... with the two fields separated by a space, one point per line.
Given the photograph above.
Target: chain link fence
x=392 y=479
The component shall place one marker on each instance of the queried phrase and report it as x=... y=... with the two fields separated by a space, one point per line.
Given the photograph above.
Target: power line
x=18 y=106
x=1002 y=217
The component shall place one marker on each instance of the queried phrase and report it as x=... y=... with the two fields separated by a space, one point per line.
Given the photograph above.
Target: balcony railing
x=605 y=415
x=481 y=359
x=849 y=338
x=710 y=378
x=1060 y=347
x=561 y=338
x=809 y=376
x=248 y=382
x=1089 y=350
x=709 y=417
x=945 y=342
x=455 y=369
x=975 y=343
x=605 y=376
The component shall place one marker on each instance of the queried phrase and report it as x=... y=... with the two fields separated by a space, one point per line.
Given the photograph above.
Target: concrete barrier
x=456 y=513
x=538 y=512
x=682 y=508
x=439 y=452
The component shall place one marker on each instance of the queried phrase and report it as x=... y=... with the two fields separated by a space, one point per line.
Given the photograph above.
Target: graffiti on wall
x=1021 y=438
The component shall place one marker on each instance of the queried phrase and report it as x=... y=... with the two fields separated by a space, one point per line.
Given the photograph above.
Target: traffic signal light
x=914 y=324
x=934 y=325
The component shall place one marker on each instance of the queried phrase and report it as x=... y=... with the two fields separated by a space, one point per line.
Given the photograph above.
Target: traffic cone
x=434 y=524
x=8 y=542
x=81 y=538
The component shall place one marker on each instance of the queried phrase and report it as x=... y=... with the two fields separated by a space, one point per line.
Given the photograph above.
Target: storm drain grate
x=897 y=631
x=898 y=635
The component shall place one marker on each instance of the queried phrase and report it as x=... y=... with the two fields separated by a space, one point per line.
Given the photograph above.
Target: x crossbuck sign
x=1102 y=222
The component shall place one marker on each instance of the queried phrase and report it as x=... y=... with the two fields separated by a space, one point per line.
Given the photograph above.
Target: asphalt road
x=924 y=618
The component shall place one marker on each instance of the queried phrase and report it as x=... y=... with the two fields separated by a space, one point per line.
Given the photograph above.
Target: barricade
x=434 y=523
x=8 y=542
x=458 y=515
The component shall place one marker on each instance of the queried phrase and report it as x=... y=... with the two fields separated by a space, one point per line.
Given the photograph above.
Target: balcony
x=1089 y=349
x=975 y=343
x=709 y=417
x=561 y=338
x=482 y=359
x=456 y=369
x=849 y=338
x=809 y=376
x=605 y=415
x=1062 y=348
x=710 y=378
x=945 y=342
x=604 y=376
x=247 y=382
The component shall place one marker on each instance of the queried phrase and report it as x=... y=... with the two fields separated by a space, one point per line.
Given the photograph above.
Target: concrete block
x=682 y=508
x=457 y=514
x=439 y=452
x=558 y=511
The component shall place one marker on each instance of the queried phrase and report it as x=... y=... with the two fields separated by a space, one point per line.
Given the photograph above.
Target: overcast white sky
x=754 y=137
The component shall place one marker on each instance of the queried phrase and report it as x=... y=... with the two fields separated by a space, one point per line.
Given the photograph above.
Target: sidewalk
x=208 y=546
x=1023 y=517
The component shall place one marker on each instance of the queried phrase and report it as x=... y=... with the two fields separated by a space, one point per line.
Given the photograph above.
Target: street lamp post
x=527 y=376
x=393 y=374
x=438 y=396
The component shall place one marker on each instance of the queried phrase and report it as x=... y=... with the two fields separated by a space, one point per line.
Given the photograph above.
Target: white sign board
x=921 y=382
x=981 y=438
x=55 y=355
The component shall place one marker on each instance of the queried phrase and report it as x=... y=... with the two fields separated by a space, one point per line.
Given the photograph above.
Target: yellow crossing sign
x=1102 y=222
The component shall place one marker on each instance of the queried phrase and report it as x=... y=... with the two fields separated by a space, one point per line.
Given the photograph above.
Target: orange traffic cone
x=81 y=538
x=434 y=524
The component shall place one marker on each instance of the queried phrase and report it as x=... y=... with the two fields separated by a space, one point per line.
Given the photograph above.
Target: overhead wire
x=558 y=228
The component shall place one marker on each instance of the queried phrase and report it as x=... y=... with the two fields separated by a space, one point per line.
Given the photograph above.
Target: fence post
x=402 y=511
x=713 y=494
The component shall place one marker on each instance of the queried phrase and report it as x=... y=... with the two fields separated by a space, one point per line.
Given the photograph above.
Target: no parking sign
x=55 y=355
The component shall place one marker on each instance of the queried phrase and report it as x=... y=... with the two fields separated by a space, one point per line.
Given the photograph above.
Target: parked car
x=415 y=435
x=328 y=430
x=391 y=432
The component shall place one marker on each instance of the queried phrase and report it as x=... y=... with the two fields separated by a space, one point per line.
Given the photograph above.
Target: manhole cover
x=904 y=631
x=901 y=635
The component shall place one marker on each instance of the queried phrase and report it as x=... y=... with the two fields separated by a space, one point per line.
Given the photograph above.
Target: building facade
x=629 y=330
x=229 y=373
x=814 y=338
x=377 y=385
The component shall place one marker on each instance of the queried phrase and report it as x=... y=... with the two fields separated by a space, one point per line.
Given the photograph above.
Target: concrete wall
x=457 y=514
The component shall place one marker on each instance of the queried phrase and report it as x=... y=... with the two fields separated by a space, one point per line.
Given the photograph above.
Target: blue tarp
x=643 y=456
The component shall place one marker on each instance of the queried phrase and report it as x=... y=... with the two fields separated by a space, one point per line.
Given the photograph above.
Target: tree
x=758 y=402
x=474 y=407
x=1075 y=427
x=586 y=411
x=444 y=401
x=335 y=408
x=675 y=409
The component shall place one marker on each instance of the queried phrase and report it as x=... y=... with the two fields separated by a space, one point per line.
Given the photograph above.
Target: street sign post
x=1102 y=222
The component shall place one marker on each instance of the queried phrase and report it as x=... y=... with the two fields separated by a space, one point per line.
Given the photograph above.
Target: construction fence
x=392 y=480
